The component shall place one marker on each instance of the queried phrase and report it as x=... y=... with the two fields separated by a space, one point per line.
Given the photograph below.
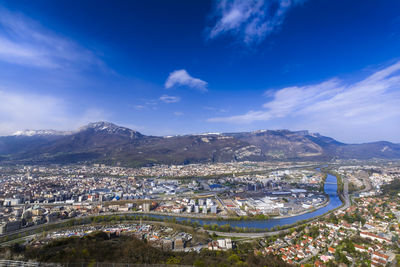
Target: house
x=374 y=237
x=360 y=248
x=379 y=258
x=378 y=263
x=319 y=264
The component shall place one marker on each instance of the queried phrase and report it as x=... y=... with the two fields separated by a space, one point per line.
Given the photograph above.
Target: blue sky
x=177 y=67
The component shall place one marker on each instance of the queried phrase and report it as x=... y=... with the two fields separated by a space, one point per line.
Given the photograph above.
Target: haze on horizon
x=181 y=67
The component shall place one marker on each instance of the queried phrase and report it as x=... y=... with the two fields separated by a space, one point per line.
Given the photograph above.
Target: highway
x=346 y=194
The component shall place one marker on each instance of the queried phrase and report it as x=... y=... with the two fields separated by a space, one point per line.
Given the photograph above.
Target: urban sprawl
x=365 y=229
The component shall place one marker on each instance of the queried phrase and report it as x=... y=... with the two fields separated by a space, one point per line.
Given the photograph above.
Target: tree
x=199 y=263
x=173 y=260
x=233 y=259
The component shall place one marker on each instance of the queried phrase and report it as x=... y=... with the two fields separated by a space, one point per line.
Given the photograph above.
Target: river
x=330 y=188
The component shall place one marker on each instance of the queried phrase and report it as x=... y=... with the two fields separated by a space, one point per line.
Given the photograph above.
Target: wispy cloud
x=335 y=106
x=178 y=113
x=170 y=99
x=249 y=20
x=153 y=104
x=221 y=110
x=139 y=107
x=182 y=78
x=49 y=64
x=19 y=111
x=24 y=41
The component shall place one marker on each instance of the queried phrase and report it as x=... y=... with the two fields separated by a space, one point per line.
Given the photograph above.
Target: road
x=248 y=235
x=221 y=203
x=18 y=240
x=346 y=194
x=367 y=184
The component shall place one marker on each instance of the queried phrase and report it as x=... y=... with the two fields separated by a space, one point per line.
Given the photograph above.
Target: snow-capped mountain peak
x=109 y=128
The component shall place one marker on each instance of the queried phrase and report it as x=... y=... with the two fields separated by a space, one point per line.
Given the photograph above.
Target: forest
x=100 y=247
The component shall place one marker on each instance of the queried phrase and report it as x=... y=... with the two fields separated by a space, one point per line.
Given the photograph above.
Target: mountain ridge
x=116 y=145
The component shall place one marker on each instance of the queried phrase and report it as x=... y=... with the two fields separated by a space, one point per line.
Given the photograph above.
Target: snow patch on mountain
x=41 y=133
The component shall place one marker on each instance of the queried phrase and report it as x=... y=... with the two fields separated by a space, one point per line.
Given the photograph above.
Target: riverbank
x=233 y=218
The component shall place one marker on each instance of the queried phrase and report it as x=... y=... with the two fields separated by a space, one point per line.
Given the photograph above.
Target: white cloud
x=250 y=20
x=368 y=108
x=139 y=107
x=220 y=110
x=170 y=99
x=178 y=113
x=182 y=78
x=24 y=41
x=20 y=111
x=47 y=62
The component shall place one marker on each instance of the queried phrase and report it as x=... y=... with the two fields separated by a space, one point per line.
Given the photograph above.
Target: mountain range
x=105 y=142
